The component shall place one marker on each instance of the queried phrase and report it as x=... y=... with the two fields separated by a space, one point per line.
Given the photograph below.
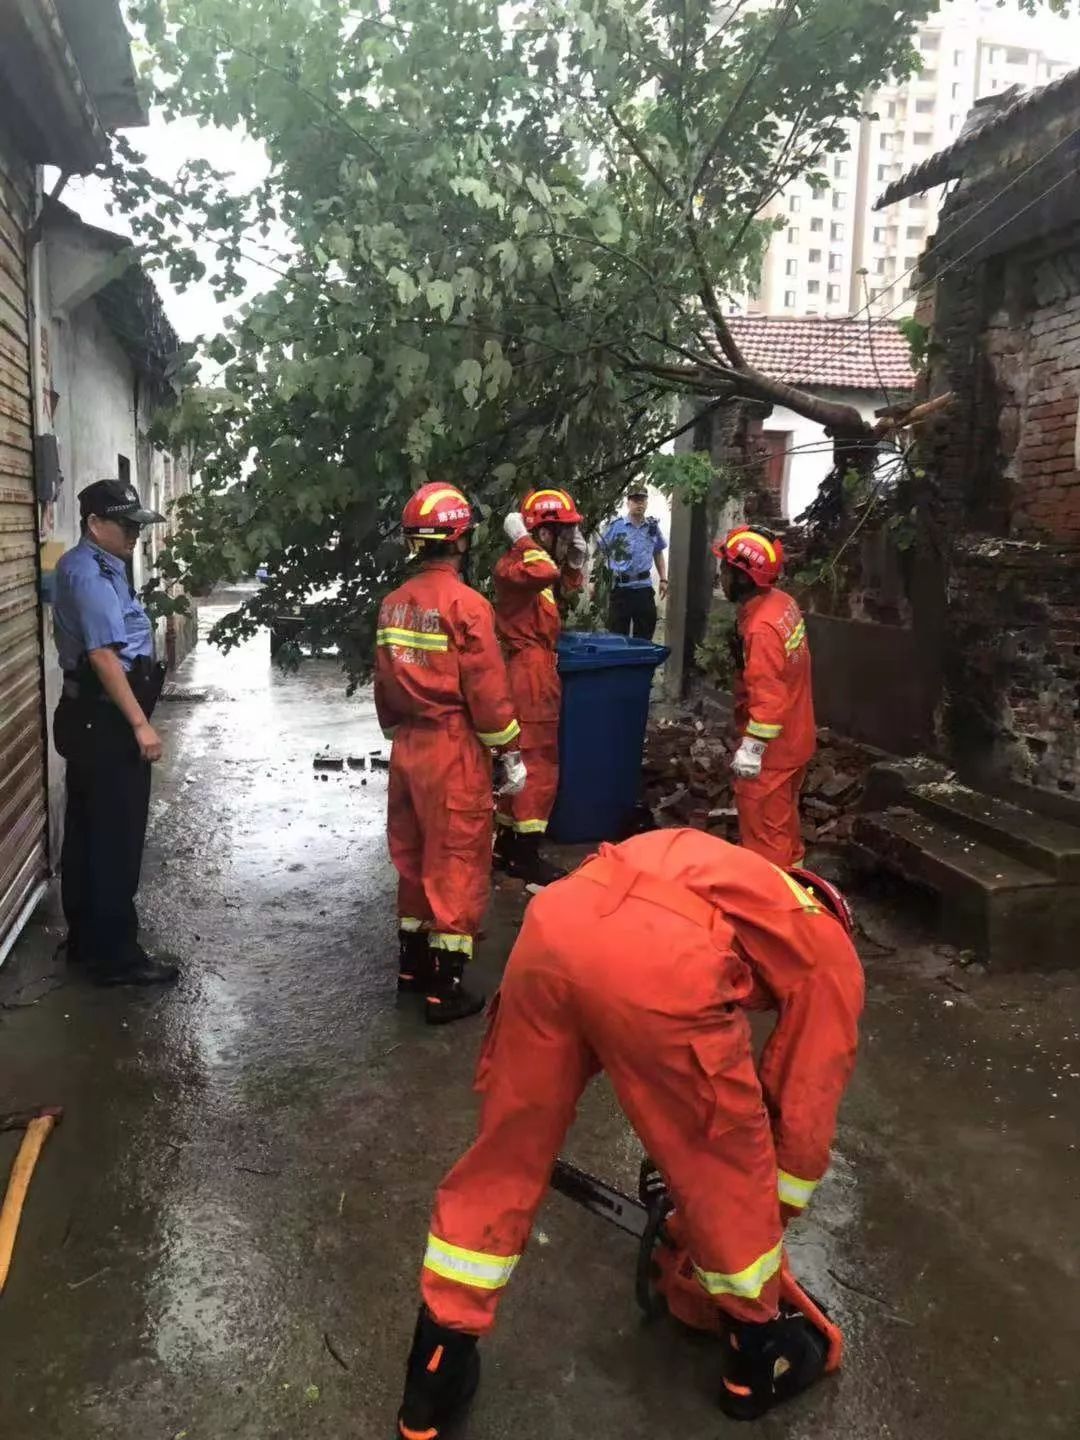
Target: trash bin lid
x=598 y=650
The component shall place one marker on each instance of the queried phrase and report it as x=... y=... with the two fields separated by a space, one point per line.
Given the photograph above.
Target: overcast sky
x=166 y=147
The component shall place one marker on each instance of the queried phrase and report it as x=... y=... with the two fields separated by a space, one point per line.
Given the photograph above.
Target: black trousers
x=108 y=798
x=633 y=611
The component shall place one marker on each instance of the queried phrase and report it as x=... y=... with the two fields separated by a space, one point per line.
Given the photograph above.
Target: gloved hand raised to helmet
x=510 y=773
x=514 y=527
x=746 y=763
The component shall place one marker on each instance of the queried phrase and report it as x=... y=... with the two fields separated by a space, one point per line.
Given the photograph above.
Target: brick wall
x=1043 y=467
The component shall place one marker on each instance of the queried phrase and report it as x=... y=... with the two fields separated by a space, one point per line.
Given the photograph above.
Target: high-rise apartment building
x=970 y=49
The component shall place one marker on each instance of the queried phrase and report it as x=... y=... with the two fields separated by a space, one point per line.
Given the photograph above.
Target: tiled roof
x=950 y=163
x=842 y=354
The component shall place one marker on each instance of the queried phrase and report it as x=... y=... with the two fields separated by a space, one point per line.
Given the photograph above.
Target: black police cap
x=113 y=500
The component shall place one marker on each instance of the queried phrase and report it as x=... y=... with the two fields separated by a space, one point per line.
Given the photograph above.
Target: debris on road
x=328 y=760
x=379 y=761
x=688 y=780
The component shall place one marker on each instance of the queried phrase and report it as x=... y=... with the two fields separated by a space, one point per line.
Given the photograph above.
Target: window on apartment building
x=954 y=122
x=813 y=287
x=814 y=257
x=817 y=190
x=791 y=267
x=883 y=172
x=957 y=57
x=956 y=91
x=794 y=204
x=917 y=202
x=833 y=294
x=836 y=262
x=911 y=262
x=995 y=84
x=931 y=40
x=1016 y=57
x=879 y=234
x=921 y=137
x=817 y=224
x=840 y=169
x=914 y=232
x=890 y=110
x=924 y=107
x=885 y=140
x=879 y=265
x=793 y=234
x=836 y=230
x=789 y=299
x=839 y=199
x=993 y=54
x=927 y=77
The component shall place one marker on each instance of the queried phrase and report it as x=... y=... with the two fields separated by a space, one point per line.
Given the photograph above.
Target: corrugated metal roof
x=817 y=351
x=948 y=164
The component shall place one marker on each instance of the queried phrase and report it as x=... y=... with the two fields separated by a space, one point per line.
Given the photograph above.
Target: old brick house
x=996 y=585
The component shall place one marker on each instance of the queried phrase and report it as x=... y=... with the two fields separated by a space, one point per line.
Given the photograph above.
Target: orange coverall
x=642 y=963
x=774 y=701
x=441 y=691
x=527 y=618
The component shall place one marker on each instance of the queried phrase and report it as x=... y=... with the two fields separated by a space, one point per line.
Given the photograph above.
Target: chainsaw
x=664 y=1278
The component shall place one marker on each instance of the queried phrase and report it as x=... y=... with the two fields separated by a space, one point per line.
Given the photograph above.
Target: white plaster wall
x=94 y=421
x=811 y=451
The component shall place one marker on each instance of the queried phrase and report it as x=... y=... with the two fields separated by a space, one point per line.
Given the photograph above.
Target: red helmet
x=438 y=511
x=757 y=553
x=549 y=507
x=827 y=895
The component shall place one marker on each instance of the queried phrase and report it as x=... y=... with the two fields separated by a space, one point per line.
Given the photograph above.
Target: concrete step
x=1012 y=914
x=1037 y=840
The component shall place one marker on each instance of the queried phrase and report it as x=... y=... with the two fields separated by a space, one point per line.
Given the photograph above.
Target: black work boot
x=416 y=968
x=770 y=1363
x=503 y=852
x=441 y=1376
x=524 y=862
x=448 y=999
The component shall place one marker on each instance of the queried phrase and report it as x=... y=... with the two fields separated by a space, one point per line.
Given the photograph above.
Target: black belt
x=146 y=677
x=633 y=579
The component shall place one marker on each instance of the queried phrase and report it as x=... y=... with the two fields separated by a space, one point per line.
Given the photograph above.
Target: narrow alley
x=223 y=1237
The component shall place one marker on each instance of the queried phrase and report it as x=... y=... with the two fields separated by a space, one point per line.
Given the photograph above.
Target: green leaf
x=405 y=285
x=607 y=225
x=440 y=297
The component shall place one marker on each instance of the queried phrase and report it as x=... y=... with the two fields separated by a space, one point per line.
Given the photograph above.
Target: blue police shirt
x=630 y=549
x=95 y=608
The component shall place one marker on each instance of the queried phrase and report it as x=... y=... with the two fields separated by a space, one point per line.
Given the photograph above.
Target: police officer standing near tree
x=102 y=728
x=631 y=546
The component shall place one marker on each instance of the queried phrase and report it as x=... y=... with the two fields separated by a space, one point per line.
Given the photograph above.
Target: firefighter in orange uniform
x=547 y=555
x=774 y=702
x=643 y=963
x=441 y=692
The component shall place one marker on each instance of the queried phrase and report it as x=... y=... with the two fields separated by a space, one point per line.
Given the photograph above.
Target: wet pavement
x=222 y=1238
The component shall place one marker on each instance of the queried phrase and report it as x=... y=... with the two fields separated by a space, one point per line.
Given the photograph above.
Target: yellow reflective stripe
x=805 y=899
x=760 y=731
x=766 y=545
x=439 y=495
x=532 y=555
x=529 y=827
x=797 y=636
x=747 y=1283
x=413 y=639
x=468 y=1267
x=793 y=1191
x=410 y=923
x=454 y=944
x=549 y=596
x=559 y=495
x=493 y=738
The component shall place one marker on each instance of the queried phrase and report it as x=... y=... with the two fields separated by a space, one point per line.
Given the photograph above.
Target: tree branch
x=639 y=150
x=657 y=445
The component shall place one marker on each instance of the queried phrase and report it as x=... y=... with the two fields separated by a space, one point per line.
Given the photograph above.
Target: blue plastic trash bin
x=606 y=681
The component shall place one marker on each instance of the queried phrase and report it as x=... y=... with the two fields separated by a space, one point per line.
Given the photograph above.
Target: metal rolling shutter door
x=23 y=846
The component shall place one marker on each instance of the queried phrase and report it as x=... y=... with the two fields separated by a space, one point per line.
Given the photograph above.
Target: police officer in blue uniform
x=632 y=545
x=102 y=729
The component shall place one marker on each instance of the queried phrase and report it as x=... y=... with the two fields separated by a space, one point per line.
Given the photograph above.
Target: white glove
x=578 y=550
x=511 y=773
x=514 y=527
x=747 y=760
